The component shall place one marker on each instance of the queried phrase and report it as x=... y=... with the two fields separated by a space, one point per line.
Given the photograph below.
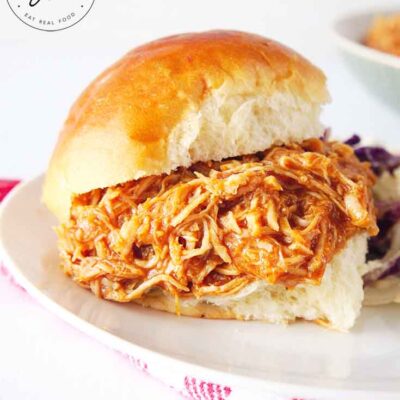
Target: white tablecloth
x=41 y=73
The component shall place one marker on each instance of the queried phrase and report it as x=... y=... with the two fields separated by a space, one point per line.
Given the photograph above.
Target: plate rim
x=129 y=348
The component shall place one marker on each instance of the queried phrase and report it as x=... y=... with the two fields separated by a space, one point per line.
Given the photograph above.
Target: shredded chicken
x=211 y=229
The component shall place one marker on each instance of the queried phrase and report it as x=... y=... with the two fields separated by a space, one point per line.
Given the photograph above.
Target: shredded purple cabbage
x=380 y=159
x=378 y=246
x=353 y=140
x=388 y=212
x=393 y=268
x=388 y=216
x=326 y=135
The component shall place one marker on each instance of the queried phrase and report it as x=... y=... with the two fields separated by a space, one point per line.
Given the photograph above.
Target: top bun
x=179 y=100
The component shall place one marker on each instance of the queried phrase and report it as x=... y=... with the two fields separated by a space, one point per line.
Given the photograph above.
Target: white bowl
x=379 y=71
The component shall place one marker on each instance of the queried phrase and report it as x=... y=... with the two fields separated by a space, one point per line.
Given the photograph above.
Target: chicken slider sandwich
x=193 y=176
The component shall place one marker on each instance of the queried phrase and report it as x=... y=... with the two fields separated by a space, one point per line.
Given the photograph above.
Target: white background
x=41 y=74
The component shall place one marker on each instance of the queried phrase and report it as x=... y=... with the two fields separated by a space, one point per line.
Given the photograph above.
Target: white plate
x=229 y=359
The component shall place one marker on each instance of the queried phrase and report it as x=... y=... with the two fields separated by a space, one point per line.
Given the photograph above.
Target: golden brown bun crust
x=118 y=129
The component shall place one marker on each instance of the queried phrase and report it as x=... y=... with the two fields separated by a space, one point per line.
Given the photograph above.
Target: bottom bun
x=194 y=308
x=335 y=303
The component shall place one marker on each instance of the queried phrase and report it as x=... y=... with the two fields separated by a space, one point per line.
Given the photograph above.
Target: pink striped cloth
x=5 y=186
x=189 y=387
